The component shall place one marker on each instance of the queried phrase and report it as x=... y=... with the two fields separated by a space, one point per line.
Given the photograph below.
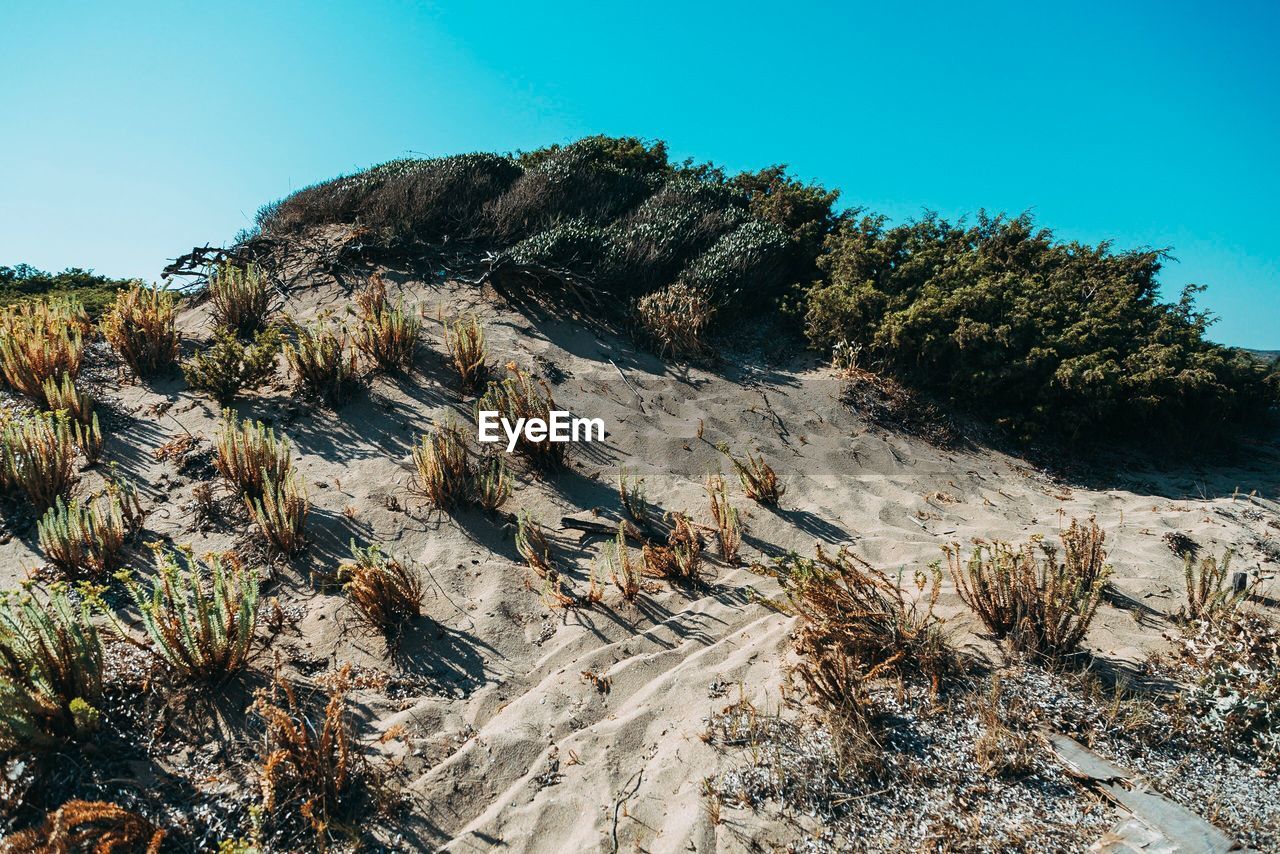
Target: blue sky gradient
x=133 y=131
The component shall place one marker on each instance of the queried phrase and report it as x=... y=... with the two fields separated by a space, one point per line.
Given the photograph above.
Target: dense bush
x=1048 y=338
x=24 y=282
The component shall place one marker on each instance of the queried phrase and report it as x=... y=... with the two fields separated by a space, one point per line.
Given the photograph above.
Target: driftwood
x=603 y=529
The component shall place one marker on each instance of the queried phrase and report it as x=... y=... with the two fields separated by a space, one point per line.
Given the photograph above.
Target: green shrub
x=323 y=363
x=281 y=513
x=240 y=298
x=50 y=669
x=1050 y=339
x=37 y=455
x=200 y=614
x=84 y=537
x=574 y=244
x=23 y=283
x=140 y=326
x=228 y=366
x=745 y=267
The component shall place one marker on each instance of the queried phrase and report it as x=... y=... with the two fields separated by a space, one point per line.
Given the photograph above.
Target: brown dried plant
x=676 y=319
x=388 y=336
x=533 y=546
x=759 y=481
x=386 y=593
x=680 y=560
x=101 y=827
x=39 y=341
x=521 y=396
x=445 y=475
x=323 y=364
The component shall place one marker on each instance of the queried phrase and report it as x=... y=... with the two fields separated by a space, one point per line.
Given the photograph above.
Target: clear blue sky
x=132 y=131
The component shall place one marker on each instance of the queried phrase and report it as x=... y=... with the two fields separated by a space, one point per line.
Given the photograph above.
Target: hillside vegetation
x=23 y=283
x=1051 y=340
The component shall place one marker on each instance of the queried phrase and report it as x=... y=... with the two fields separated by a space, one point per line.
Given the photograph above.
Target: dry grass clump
x=387 y=336
x=84 y=538
x=725 y=517
x=38 y=457
x=386 y=593
x=281 y=513
x=249 y=454
x=1024 y=594
x=323 y=364
x=97 y=826
x=228 y=367
x=680 y=560
x=1002 y=750
x=521 y=396
x=50 y=669
x=448 y=477
x=623 y=571
x=676 y=319
x=310 y=769
x=533 y=546
x=40 y=341
x=200 y=614
x=465 y=342
x=759 y=481
x=239 y=298
x=1208 y=597
x=140 y=326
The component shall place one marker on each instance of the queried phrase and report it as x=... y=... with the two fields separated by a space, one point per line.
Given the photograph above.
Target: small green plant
x=631 y=492
x=228 y=366
x=445 y=475
x=239 y=298
x=623 y=571
x=39 y=458
x=84 y=538
x=281 y=513
x=493 y=483
x=518 y=397
x=249 y=454
x=725 y=517
x=66 y=397
x=200 y=614
x=759 y=481
x=1040 y=604
x=140 y=326
x=388 y=336
x=465 y=342
x=386 y=593
x=533 y=546
x=323 y=364
x=1207 y=596
x=50 y=669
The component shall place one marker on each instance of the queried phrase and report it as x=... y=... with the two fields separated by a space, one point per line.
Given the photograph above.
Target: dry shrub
x=1001 y=750
x=40 y=341
x=759 y=481
x=200 y=614
x=885 y=401
x=387 y=595
x=227 y=367
x=310 y=769
x=465 y=342
x=1042 y=606
x=98 y=826
x=675 y=320
x=387 y=336
x=680 y=560
x=281 y=513
x=623 y=571
x=444 y=470
x=532 y=544
x=249 y=454
x=725 y=517
x=84 y=538
x=140 y=326
x=50 y=669
x=240 y=298
x=631 y=492
x=322 y=363
x=1208 y=597
x=856 y=625
x=39 y=458
x=521 y=396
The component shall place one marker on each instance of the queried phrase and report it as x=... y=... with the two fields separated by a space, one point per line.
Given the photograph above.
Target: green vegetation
x=1048 y=339
x=24 y=283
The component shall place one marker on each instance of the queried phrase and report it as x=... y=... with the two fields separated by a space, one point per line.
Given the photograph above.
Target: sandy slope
x=507 y=745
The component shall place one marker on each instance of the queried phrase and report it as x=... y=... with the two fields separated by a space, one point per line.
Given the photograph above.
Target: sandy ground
x=506 y=745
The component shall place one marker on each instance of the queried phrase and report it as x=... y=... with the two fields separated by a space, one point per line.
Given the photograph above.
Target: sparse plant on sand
x=631 y=492
x=386 y=593
x=98 y=826
x=464 y=339
x=680 y=560
x=1208 y=596
x=228 y=367
x=675 y=320
x=40 y=341
x=1024 y=594
x=493 y=483
x=281 y=513
x=239 y=298
x=310 y=768
x=521 y=396
x=250 y=454
x=759 y=481
x=200 y=614
x=39 y=458
x=623 y=571
x=725 y=517
x=50 y=669
x=445 y=474
x=388 y=336
x=140 y=326
x=323 y=363
x=533 y=546
x=84 y=538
